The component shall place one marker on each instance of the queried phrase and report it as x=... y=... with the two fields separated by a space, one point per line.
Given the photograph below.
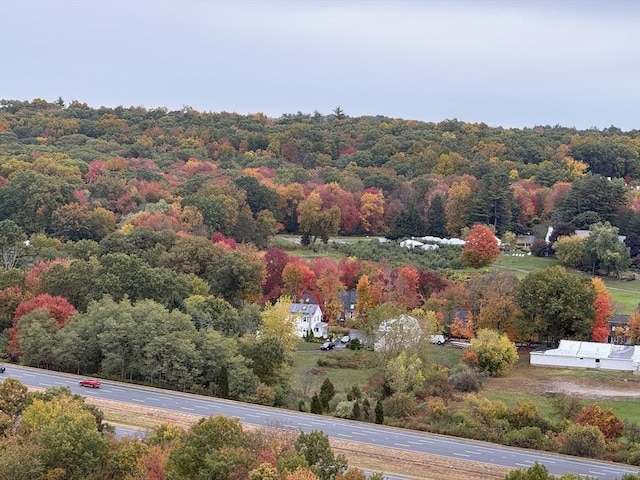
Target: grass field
x=308 y=376
x=619 y=391
x=625 y=295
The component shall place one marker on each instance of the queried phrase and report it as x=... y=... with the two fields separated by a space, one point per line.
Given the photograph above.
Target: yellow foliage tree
x=277 y=322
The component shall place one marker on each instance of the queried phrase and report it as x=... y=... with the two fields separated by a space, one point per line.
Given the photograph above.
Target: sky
x=510 y=63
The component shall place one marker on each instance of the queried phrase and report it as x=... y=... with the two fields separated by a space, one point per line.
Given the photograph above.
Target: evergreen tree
x=436 y=218
x=494 y=203
x=316 y=405
x=379 y=413
x=327 y=392
x=408 y=224
x=356 y=411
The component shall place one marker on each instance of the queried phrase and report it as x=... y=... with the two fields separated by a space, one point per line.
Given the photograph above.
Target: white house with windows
x=309 y=319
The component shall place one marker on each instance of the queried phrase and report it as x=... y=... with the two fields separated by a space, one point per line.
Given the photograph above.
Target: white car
x=345 y=339
x=437 y=339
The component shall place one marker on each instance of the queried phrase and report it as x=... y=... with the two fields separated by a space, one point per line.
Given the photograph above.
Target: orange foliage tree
x=633 y=327
x=603 y=308
x=297 y=278
x=606 y=421
x=463 y=327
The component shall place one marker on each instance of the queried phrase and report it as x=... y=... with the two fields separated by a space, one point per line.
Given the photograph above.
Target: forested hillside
x=75 y=172
x=140 y=245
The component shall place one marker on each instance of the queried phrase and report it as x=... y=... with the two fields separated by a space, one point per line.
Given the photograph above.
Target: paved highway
x=407 y=440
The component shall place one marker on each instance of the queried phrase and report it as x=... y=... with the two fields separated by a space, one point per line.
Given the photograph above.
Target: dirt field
x=585 y=384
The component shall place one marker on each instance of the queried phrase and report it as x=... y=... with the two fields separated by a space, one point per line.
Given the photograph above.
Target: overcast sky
x=517 y=63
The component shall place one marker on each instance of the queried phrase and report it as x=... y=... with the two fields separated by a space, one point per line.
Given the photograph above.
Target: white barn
x=573 y=354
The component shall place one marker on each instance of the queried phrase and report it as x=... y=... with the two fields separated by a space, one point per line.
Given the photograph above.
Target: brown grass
x=390 y=461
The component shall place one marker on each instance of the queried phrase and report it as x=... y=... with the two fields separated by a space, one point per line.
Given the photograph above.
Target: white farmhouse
x=573 y=354
x=309 y=319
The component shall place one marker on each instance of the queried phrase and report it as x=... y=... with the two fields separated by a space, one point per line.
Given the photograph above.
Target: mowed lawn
x=308 y=375
x=625 y=294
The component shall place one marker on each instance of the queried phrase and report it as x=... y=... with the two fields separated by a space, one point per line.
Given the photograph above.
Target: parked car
x=2 y=369
x=437 y=339
x=345 y=339
x=327 y=346
x=90 y=382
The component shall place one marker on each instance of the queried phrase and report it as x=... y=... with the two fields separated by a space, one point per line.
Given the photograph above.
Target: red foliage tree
x=58 y=308
x=229 y=242
x=350 y=272
x=333 y=195
x=431 y=282
x=274 y=261
x=404 y=289
x=463 y=327
x=481 y=247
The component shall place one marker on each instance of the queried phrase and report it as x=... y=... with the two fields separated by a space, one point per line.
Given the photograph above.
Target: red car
x=90 y=382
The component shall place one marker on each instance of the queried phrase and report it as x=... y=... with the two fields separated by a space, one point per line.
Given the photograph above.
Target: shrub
x=527 y=437
x=583 y=441
x=437 y=410
x=566 y=407
x=526 y=414
x=400 y=405
x=344 y=409
x=466 y=380
x=487 y=411
x=264 y=395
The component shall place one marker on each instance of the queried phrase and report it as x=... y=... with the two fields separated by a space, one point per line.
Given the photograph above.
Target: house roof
x=572 y=348
x=348 y=298
x=618 y=320
x=304 y=308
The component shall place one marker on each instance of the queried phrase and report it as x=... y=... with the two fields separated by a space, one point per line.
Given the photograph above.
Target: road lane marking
x=139 y=400
x=597 y=473
x=460 y=454
x=474 y=453
x=202 y=407
x=344 y=435
x=187 y=408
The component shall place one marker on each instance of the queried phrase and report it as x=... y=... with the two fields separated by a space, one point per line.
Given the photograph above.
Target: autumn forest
x=150 y=245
